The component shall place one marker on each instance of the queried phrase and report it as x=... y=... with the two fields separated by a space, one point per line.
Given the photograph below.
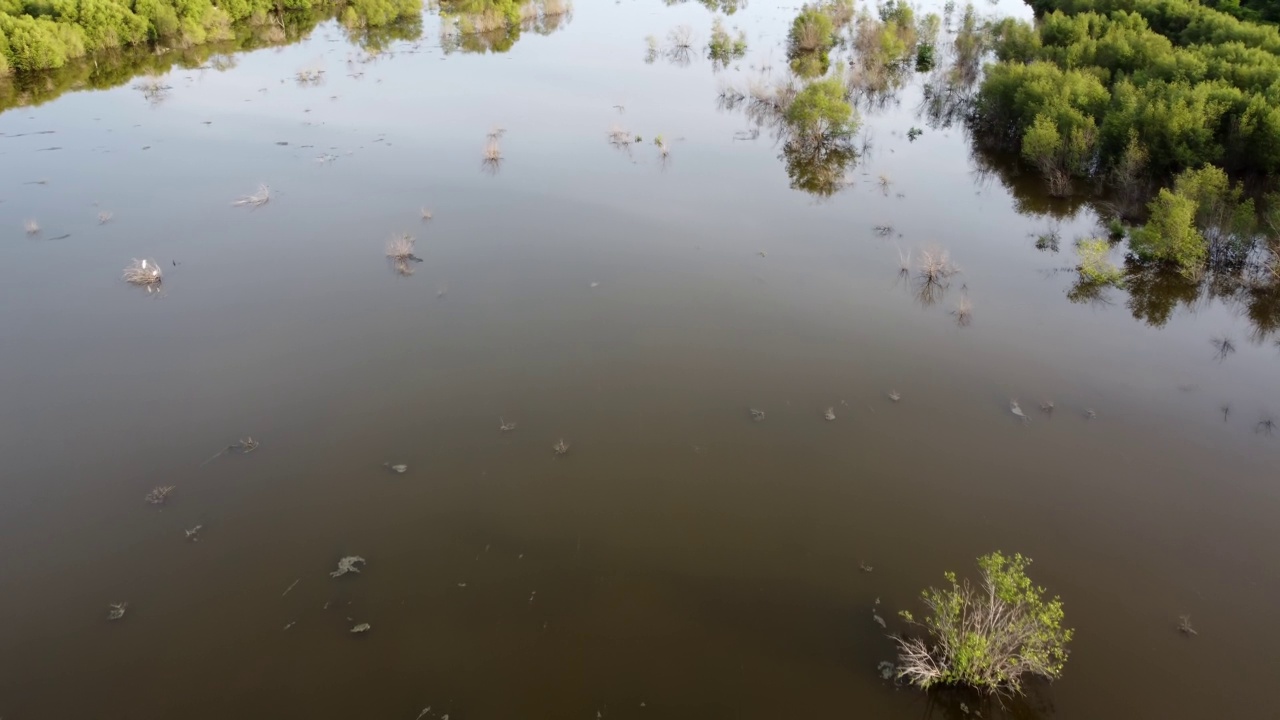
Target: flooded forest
x=639 y=359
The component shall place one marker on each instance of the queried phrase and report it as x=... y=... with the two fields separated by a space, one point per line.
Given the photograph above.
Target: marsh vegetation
x=991 y=636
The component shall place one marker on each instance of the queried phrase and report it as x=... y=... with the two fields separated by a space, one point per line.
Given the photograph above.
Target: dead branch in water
x=159 y=495
x=933 y=272
x=245 y=446
x=492 y=159
x=257 y=199
x=142 y=272
x=963 y=311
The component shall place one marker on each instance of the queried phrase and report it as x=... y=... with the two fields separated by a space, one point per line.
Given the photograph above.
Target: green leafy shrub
x=987 y=637
x=820 y=112
x=924 y=57
x=811 y=32
x=1224 y=217
x=819 y=124
x=1095 y=264
x=1170 y=235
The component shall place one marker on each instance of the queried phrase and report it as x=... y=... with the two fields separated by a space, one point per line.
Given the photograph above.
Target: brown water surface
x=681 y=560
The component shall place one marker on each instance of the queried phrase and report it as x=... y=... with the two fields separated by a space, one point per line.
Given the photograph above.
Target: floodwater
x=680 y=560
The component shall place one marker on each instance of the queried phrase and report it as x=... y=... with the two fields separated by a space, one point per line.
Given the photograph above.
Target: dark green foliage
x=924 y=57
x=1115 y=229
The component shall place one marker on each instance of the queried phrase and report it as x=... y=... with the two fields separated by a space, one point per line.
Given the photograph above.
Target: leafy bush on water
x=1095 y=267
x=987 y=637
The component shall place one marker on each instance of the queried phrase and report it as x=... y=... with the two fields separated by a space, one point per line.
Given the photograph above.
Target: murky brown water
x=681 y=561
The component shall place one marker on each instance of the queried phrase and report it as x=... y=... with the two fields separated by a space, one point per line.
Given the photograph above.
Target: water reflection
x=495 y=26
x=821 y=168
x=728 y=7
x=118 y=67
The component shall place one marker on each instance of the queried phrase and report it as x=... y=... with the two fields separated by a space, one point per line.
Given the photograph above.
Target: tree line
x=47 y=34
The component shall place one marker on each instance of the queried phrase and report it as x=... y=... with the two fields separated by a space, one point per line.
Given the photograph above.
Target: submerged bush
x=987 y=637
x=809 y=42
x=1170 y=235
x=811 y=31
x=820 y=112
x=1204 y=220
x=1095 y=264
x=724 y=48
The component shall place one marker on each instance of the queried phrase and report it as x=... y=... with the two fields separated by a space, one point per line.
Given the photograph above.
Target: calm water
x=681 y=561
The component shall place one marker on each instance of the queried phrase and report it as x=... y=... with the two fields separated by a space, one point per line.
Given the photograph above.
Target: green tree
x=1170 y=235
x=820 y=112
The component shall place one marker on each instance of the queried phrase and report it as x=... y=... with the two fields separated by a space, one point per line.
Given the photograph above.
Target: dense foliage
x=47 y=34
x=989 y=636
x=1177 y=82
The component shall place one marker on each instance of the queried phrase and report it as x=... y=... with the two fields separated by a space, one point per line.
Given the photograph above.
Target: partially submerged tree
x=723 y=48
x=1170 y=235
x=819 y=125
x=1095 y=264
x=812 y=35
x=988 y=637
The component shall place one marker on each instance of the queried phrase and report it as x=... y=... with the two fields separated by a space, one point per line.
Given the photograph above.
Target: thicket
x=1096 y=84
x=47 y=34
x=1203 y=222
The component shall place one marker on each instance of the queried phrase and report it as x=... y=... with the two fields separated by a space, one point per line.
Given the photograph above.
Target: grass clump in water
x=400 y=252
x=259 y=198
x=142 y=272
